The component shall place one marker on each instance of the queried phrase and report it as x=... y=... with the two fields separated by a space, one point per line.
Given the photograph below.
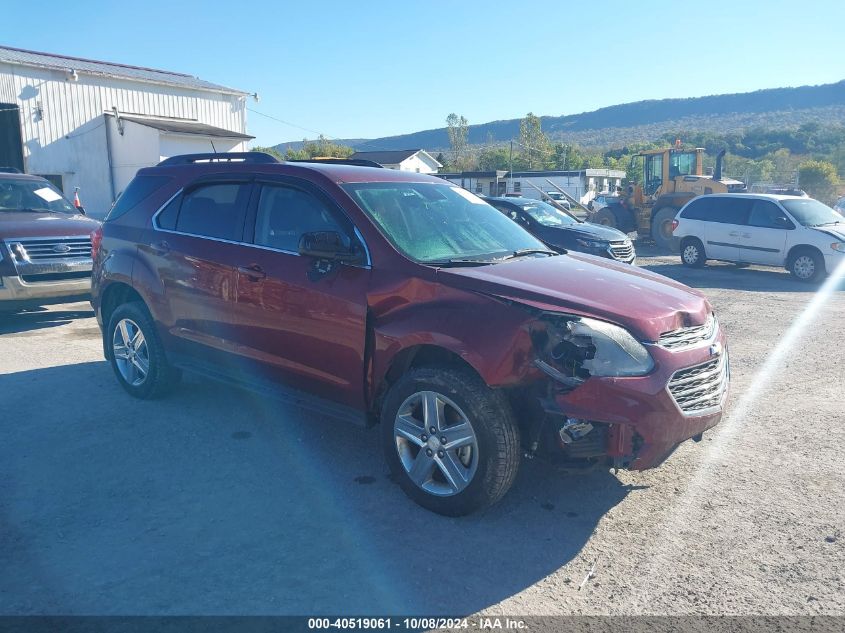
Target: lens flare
x=666 y=546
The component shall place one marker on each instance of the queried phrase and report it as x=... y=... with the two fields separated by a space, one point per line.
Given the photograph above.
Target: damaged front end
x=571 y=350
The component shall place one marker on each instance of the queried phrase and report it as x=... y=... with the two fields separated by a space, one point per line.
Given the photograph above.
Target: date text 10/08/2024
x=413 y=624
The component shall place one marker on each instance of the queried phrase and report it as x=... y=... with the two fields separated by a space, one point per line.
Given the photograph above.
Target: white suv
x=801 y=234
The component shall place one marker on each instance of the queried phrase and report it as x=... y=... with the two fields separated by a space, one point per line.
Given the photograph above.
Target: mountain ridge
x=643 y=120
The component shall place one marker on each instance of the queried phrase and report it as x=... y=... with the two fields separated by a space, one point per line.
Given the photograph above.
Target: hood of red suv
x=28 y=224
x=646 y=303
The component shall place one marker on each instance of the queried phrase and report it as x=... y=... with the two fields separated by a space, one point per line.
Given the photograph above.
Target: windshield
x=547 y=215
x=811 y=212
x=32 y=195
x=430 y=222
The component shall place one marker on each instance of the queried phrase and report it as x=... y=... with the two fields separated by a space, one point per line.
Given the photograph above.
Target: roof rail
x=221 y=157
x=359 y=162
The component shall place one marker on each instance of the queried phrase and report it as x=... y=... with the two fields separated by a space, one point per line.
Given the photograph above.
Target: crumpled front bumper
x=646 y=423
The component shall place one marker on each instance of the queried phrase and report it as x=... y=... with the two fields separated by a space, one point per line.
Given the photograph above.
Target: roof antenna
x=212 y=145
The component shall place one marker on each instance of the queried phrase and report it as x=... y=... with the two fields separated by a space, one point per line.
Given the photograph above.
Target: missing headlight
x=561 y=354
x=571 y=349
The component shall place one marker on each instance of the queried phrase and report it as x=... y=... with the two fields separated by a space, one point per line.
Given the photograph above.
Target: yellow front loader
x=671 y=178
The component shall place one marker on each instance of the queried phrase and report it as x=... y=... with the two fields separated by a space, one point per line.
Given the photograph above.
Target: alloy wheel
x=130 y=351
x=436 y=443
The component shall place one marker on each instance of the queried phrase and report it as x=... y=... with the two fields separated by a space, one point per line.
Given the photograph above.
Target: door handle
x=734 y=233
x=160 y=248
x=253 y=273
x=748 y=235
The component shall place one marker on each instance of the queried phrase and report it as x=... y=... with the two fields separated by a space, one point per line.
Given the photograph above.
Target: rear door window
x=214 y=210
x=729 y=210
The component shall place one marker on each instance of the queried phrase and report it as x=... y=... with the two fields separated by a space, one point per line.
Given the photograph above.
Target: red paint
x=337 y=336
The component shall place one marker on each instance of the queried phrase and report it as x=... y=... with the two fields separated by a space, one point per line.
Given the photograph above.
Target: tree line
x=811 y=156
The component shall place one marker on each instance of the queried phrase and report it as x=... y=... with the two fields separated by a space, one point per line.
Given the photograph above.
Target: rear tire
x=458 y=481
x=661 y=229
x=136 y=354
x=605 y=217
x=806 y=264
x=692 y=253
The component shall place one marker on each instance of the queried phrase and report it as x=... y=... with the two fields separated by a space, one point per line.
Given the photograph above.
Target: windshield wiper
x=529 y=251
x=827 y=223
x=455 y=263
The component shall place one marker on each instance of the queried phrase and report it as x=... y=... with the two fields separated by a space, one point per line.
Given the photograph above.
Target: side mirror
x=328 y=245
x=783 y=222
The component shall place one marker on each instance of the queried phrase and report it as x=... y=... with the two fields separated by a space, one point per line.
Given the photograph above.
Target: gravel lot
x=216 y=501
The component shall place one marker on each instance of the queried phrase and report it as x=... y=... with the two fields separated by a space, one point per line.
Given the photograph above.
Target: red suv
x=393 y=298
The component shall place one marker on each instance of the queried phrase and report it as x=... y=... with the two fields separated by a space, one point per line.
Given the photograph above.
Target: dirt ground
x=216 y=501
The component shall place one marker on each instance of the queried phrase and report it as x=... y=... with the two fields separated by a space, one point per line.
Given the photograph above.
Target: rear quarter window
x=696 y=210
x=141 y=188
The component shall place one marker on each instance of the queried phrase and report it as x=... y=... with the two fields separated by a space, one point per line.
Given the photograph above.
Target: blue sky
x=375 y=68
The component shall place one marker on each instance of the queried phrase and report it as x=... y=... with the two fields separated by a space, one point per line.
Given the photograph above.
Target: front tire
x=137 y=355
x=470 y=459
x=692 y=253
x=661 y=229
x=605 y=217
x=806 y=265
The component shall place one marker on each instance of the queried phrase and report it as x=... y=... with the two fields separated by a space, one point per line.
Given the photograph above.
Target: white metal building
x=582 y=185
x=416 y=160
x=92 y=125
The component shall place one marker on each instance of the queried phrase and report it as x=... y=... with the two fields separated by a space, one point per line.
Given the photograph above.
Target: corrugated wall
x=52 y=107
x=64 y=130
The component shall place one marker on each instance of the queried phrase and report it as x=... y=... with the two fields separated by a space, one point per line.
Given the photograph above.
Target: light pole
x=510 y=168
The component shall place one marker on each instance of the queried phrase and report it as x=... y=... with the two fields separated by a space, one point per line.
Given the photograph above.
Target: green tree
x=494 y=158
x=535 y=144
x=268 y=150
x=321 y=148
x=458 y=129
x=819 y=179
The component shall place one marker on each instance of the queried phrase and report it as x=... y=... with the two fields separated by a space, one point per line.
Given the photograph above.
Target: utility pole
x=510 y=169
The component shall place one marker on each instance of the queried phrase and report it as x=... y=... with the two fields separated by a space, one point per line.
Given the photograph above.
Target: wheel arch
x=803 y=247
x=416 y=355
x=114 y=295
x=691 y=238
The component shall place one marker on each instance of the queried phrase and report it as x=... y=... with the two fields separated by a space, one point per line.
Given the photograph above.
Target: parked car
x=559 y=198
x=394 y=298
x=560 y=230
x=604 y=200
x=801 y=234
x=45 y=245
x=787 y=191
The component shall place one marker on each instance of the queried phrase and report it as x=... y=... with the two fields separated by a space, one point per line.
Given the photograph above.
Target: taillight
x=674 y=225
x=96 y=239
